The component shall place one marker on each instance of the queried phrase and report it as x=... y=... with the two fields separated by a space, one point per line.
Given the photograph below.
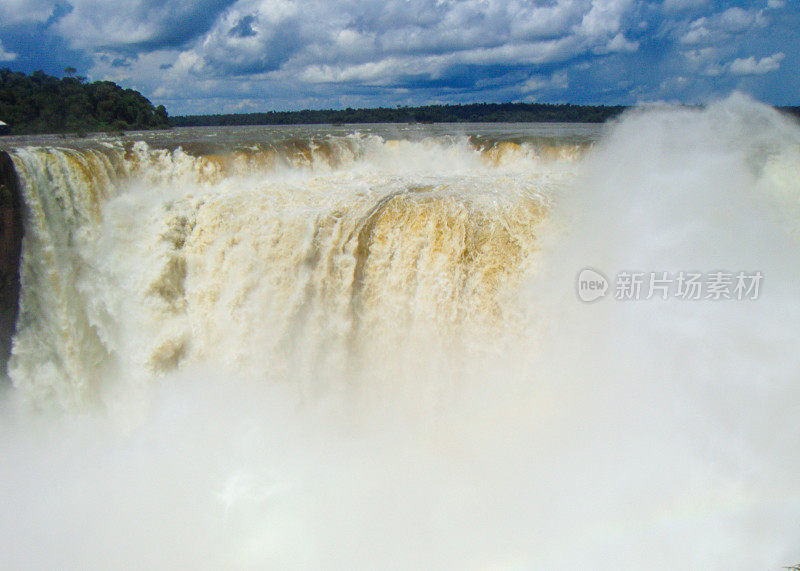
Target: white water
x=245 y=387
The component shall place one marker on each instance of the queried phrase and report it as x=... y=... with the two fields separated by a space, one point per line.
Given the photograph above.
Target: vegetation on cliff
x=40 y=103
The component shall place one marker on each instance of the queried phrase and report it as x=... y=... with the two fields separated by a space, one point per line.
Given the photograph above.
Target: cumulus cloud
x=558 y=80
x=604 y=17
x=619 y=43
x=394 y=43
x=413 y=37
x=349 y=51
x=698 y=32
x=15 y=12
x=722 y=25
x=737 y=19
x=753 y=66
x=251 y=38
x=134 y=25
x=705 y=61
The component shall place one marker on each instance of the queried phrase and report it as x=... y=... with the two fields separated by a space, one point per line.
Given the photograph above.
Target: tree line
x=41 y=103
x=473 y=112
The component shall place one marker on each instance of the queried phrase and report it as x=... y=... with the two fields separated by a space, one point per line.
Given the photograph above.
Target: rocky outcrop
x=11 y=230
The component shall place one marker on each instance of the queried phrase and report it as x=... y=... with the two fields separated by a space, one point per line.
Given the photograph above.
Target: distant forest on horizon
x=460 y=113
x=471 y=112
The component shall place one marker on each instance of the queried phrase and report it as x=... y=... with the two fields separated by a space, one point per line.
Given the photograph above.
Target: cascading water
x=348 y=350
x=143 y=261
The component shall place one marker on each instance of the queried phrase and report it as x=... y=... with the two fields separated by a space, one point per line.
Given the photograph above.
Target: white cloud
x=698 y=32
x=13 y=12
x=373 y=73
x=604 y=17
x=620 y=44
x=6 y=56
x=776 y=4
x=709 y=61
x=705 y=61
x=753 y=66
x=543 y=22
x=557 y=80
x=252 y=37
x=93 y=24
x=722 y=25
x=737 y=19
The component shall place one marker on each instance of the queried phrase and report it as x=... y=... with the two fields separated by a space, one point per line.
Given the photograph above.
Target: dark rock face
x=11 y=231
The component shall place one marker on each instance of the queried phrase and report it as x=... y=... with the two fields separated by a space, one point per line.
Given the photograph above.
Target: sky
x=230 y=56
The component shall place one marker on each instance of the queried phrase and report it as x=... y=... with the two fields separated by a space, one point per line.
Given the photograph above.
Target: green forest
x=40 y=103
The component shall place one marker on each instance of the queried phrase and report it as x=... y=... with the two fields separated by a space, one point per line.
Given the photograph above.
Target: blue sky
x=215 y=56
